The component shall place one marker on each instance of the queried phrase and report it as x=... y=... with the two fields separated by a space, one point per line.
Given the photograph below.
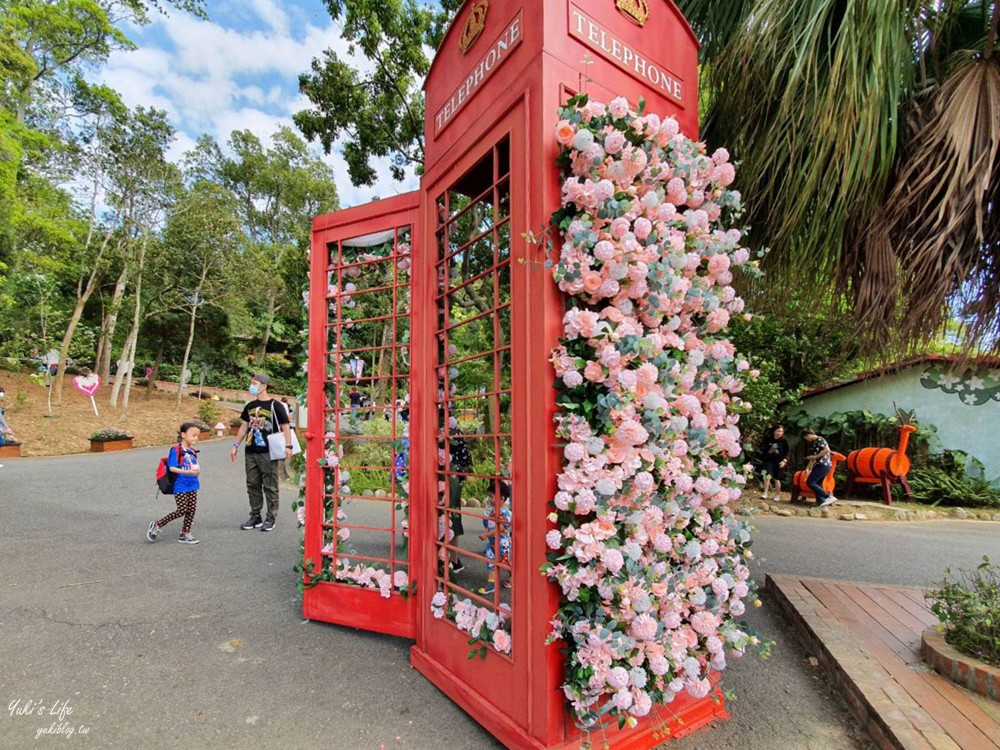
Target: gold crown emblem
x=634 y=10
x=474 y=25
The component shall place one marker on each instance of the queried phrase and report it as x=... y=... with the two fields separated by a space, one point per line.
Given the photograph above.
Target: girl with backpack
x=183 y=463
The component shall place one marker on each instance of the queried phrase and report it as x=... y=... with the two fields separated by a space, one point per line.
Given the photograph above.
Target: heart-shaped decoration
x=88 y=384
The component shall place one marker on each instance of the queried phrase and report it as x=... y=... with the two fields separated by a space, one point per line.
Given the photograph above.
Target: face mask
x=254 y=390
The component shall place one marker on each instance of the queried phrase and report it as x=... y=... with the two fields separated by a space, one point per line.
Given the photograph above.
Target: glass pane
x=368 y=339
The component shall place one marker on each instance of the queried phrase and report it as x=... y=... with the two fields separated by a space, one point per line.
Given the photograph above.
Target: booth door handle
x=309 y=436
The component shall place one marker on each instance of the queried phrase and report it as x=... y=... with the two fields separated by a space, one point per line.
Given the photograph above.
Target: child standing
x=182 y=461
x=497 y=545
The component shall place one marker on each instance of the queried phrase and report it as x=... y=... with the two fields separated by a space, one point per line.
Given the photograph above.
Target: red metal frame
x=517 y=697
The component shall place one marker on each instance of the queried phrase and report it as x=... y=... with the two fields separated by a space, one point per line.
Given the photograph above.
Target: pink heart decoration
x=87 y=385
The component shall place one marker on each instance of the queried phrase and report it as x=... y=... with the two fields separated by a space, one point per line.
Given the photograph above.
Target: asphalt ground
x=138 y=645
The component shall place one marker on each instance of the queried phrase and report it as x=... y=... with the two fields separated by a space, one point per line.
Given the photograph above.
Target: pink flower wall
x=651 y=561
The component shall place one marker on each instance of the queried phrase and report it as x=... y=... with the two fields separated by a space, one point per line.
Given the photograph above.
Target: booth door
x=357 y=510
x=473 y=638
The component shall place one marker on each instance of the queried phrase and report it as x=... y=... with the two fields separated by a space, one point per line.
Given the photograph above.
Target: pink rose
x=618 y=107
x=614 y=142
x=613 y=560
x=565 y=132
x=501 y=641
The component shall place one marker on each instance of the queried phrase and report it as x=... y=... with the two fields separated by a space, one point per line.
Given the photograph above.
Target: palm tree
x=868 y=132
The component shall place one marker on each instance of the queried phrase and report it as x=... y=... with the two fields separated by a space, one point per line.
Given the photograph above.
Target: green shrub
x=969 y=608
x=106 y=434
x=852 y=430
x=945 y=480
x=209 y=412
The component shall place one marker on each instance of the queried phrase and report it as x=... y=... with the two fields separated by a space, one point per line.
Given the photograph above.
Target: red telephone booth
x=430 y=393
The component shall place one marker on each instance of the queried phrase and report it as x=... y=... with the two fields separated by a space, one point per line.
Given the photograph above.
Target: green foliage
x=107 y=434
x=946 y=481
x=380 y=110
x=827 y=105
x=937 y=477
x=794 y=348
x=852 y=430
x=969 y=608
x=209 y=413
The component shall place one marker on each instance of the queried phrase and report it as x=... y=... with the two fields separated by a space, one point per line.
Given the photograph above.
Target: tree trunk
x=151 y=385
x=110 y=324
x=384 y=365
x=82 y=298
x=190 y=341
x=99 y=349
x=271 y=310
x=126 y=365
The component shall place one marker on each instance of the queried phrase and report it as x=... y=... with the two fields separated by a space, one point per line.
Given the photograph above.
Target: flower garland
x=485 y=626
x=649 y=557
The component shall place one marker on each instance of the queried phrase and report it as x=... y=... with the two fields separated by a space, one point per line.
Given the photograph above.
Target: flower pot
x=107 y=446
x=203 y=435
x=234 y=430
x=10 y=451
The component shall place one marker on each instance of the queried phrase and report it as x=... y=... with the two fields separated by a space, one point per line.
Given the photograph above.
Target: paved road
x=170 y=646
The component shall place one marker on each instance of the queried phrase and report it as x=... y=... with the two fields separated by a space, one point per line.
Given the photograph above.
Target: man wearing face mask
x=261 y=417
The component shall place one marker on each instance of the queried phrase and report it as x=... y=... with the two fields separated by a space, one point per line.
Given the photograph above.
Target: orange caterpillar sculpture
x=799 y=487
x=883 y=465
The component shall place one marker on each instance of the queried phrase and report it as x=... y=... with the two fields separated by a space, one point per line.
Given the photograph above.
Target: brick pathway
x=867 y=637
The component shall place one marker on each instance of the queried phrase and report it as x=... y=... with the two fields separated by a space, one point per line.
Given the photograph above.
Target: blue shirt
x=184 y=482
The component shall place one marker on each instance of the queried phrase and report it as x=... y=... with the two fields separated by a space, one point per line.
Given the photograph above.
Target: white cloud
x=272 y=15
x=215 y=79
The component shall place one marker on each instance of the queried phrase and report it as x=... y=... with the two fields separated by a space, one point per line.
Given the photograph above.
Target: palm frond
x=939 y=225
x=810 y=106
x=715 y=22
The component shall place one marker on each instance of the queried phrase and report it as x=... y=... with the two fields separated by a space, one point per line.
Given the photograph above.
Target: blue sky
x=238 y=70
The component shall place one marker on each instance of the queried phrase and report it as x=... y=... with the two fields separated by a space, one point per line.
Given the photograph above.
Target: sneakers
x=152 y=531
x=456 y=567
x=268 y=525
x=254 y=522
x=830 y=500
x=186 y=539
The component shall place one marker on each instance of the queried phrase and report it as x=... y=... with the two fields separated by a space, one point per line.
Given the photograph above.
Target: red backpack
x=164 y=477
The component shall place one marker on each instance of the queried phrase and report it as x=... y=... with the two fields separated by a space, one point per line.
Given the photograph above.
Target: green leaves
x=867 y=139
x=968 y=609
x=378 y=112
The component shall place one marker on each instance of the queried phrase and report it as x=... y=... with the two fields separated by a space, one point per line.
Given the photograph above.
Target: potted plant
x=110 y=439
x=205 y=429
x=10 y=449
x=234 y=425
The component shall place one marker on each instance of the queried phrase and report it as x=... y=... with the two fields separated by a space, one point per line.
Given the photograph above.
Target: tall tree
x=49 y=44
x=869 y=137
x=278 y=189
x=201 y=232
x=377 y=112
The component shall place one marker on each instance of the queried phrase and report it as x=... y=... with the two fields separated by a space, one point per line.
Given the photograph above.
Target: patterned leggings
x=187 y=504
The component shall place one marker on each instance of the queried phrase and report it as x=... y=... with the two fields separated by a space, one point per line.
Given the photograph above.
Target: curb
x=963 y=670
x=835 y=651
x=850 y=511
